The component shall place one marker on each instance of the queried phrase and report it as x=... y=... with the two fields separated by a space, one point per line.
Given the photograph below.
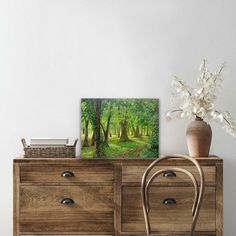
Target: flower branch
x=199 y=101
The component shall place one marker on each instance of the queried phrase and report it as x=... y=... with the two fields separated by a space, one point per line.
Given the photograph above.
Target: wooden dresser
x=102 y=197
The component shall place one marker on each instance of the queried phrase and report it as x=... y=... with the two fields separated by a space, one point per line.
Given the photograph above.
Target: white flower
x=199 y=101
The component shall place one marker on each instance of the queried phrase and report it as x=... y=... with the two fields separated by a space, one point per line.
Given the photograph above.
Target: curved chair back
x=146 y=182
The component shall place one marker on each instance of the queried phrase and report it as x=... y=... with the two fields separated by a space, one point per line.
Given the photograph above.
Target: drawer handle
x=67 y=201
x=169 y=174
x=169 y=201
x=67 y=174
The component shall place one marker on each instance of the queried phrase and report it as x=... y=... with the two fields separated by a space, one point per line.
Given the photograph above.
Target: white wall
x=53 y=52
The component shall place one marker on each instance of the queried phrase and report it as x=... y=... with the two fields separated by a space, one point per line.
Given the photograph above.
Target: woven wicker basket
x=67 y=151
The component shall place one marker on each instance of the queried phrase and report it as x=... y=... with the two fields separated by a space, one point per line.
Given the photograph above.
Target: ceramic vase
x=199 y=135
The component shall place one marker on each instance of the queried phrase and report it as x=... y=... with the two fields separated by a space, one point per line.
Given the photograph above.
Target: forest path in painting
x=135 y=147
x=122 y=128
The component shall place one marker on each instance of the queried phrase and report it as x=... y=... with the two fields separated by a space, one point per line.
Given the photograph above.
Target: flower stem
x=181 y=83
x=229 y=124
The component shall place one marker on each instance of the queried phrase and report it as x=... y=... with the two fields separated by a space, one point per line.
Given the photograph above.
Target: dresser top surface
x=202 y=160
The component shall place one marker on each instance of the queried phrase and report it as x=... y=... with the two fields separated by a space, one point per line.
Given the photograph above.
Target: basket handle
x=24 y=143
x=75 y=142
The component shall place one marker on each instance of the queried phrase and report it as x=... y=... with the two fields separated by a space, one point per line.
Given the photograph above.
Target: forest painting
x=119 y=128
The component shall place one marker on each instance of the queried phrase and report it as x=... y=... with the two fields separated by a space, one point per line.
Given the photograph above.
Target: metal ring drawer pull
x=169 y=201
x=67 y=174
x=169 y=174
x=67 y=201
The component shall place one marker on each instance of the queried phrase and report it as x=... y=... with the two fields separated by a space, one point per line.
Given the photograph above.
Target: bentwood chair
x=147 y=181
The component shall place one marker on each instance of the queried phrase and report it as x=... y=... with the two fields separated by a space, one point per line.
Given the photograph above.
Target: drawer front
x=131 y=174
x=169 y=234
x=167 y=218
x=53 y=174
x=128 y=234
x=41 y=209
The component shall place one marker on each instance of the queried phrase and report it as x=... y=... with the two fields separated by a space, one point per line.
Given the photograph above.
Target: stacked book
x=49 y=142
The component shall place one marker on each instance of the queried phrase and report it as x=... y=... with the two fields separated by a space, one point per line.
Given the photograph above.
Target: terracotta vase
x=199 y=136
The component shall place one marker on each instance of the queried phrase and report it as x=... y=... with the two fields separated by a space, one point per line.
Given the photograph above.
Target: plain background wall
x=53 y=52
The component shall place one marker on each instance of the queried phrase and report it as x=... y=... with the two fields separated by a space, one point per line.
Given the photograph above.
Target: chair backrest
x=146 y=182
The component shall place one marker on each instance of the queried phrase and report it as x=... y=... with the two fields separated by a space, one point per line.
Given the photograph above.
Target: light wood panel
x=171 y=234
x=163 y=217
x=117 y=199
x=133 y=174
x=16 y=199
x=219 y=199
x=52 y=174
x=41 y=208
x=107 y=198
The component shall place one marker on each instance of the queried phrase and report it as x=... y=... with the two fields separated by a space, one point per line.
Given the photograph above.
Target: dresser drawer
x=41 y=209
x=66 y=174
x=131 y=174
x=165 y=218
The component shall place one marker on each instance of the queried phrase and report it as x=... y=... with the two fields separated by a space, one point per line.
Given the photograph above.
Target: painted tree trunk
x=147 y=131
x=118 y=132
x=106 y=133
x=93 y=140
x=137 y=132
x=86 y=142
x=124 y=131
x=97 y=128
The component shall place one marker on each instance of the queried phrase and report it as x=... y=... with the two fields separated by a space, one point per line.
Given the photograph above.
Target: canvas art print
x=119 y=128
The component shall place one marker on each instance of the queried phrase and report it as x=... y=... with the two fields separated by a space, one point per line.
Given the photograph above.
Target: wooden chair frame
x=145 y=187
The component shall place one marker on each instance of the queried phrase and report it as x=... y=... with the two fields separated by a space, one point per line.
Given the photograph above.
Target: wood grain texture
x=171 y=234
x=41 y=208
x=62 y=233
x=16 y=199
x=52 y=174
x=163 y=217
x=204 y=161
x=132 y=174
x=66 y=235
x=107 y=195
x=219 y=199
x=117 y=199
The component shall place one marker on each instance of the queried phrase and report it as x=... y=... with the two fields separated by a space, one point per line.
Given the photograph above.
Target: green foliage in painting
x=119 y=128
